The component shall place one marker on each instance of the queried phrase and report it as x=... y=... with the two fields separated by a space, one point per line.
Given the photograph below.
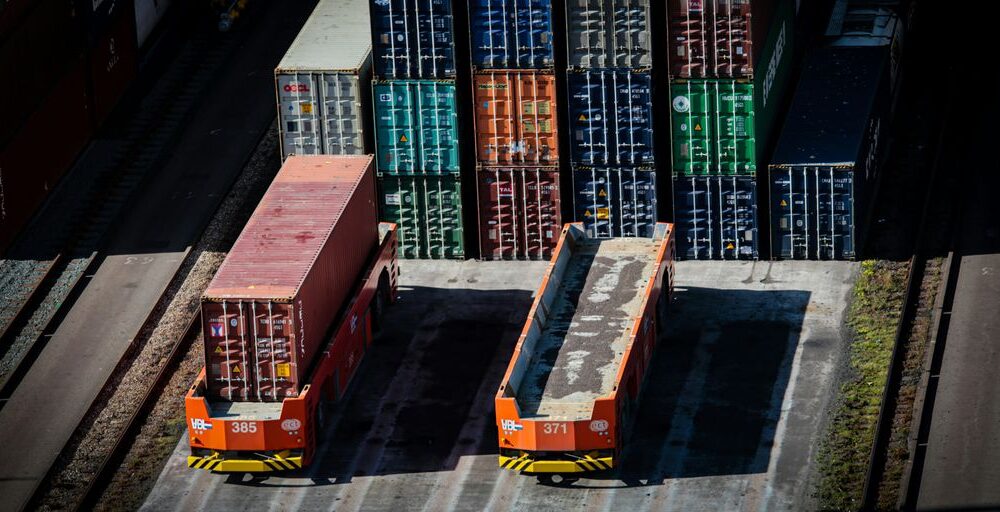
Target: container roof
x=829 y=115
x=337 y=37
x=290 y=226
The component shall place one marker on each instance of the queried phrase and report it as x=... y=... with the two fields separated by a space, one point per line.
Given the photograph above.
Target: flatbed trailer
x=254 y=436
x=573 y=382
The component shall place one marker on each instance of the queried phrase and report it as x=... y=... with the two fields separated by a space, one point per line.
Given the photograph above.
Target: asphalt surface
x=729 y=419
x=960 y=468
x=144 y=253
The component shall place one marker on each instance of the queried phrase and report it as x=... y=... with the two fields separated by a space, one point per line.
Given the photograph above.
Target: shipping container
x=267 y=311
x=615 y=201
x=413 y=38
x=726 y=126
x=511 y=34
x=827 y=161
x=428 y=211
x=519 y=212
x=611 y=117
x=114 y=62
x=323 y=83
x=716 y=217
x=416 y=127
x=36 y=53
x=858 y=24
x=609 y=33
x=148 y=14
x=516 y=117
x=30 y=164
x=722 y=38
x=571 y=389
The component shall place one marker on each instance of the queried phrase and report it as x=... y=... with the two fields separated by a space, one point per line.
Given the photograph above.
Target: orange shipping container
x=516 y=117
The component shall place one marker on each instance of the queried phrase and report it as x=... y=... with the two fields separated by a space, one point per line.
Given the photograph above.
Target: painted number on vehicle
x=244 y=427
x=554 y=428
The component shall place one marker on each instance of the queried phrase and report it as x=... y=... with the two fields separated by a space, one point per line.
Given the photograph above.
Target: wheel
x=557 y=479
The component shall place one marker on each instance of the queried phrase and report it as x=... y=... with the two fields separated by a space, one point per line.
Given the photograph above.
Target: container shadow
x=713 y=395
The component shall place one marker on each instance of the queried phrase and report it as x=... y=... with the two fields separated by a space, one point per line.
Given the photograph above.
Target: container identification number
x=554 y=428
x=244 y=427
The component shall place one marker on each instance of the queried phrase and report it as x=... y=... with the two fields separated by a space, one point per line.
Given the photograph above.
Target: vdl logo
x=511 y=426
x=200 y=424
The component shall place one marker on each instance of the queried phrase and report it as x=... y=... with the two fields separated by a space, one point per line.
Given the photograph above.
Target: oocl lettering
x=772 y=66
x=296 y=87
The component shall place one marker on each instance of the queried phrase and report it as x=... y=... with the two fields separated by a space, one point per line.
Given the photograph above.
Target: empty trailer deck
x=580 y=350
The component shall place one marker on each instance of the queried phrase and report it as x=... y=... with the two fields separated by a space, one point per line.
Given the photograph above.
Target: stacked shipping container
x=516 y=122
x=610 y=86
x=416 y=125
x=730 y=64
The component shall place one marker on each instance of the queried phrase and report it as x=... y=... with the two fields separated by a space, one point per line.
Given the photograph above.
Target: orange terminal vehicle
x=289 y=316
x=571 y=389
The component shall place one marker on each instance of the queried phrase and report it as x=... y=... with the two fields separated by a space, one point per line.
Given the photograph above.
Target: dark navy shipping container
x=413 y=39
x=511 y=34
x=715 y=217
x=615 y=202
x=826 y=164
x=611 y=117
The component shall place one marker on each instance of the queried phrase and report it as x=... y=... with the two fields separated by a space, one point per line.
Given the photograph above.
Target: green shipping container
x=428 y=210
x=724 y=126
x=416 y=127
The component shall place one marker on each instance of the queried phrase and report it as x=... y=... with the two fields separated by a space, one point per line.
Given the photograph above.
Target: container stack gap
x=730 y=64
x=417 y=142
x=516 y=125
x=610 y=85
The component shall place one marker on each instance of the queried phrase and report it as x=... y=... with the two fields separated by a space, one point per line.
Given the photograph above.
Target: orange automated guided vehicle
x=573 y=382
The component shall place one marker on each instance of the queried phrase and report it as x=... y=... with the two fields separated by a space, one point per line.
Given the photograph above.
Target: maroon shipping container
x=113 y=62
x=268 y=309
x=717 y=38
x=32 y=163
x=519 y=212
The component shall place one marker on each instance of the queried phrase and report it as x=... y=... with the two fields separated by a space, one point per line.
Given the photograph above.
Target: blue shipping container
x=812 y=212
x=611 y=117
x=715 y=217
x=615 y=202
x=413 y=39
x=508 y=34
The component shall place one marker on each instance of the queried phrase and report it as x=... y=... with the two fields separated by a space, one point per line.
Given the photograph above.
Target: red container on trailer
x=270 y=305
x=519 y=212
x=717 y=38
x=516 y=117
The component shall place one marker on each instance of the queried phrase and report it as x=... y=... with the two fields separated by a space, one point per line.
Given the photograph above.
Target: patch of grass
x=873 y=318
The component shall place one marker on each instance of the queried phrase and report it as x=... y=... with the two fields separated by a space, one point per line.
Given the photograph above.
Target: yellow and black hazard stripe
x=589 y=463
x=208 y=463
x=515 y=463
x=283 y=464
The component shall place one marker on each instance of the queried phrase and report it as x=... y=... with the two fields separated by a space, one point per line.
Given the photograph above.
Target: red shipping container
x=113 y=62
x=268 y=309
x=519 y=212
x=33 y=163
x=717 y=38
x=516 y=117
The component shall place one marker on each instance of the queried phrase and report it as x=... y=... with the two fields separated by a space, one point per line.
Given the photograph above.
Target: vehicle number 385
x=244 y=427
x=554 y=428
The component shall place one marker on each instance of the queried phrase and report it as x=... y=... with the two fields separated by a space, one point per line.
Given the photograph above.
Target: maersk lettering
x=772 y=66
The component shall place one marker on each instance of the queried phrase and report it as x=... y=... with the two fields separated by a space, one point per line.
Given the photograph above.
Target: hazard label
x=283 y=370
x=236 y=369
x=697 y=127
x=402 y=138
x=602 y=193
x=583 y=117
x=730 y=246
x=588 y=214
x=783 y=203
x=218 y=349
x=603 y=213
x=306 y=107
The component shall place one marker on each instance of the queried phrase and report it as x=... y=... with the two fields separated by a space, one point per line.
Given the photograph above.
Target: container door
x=587 y=33
x=732 y=39
x=395 y=127
x=690 y=108
x=342 y=128
x=229 y=351
x=633 y=118
x=495 y=123
x=443 y=213
x=536 y=139
x=788 y=213
x=632 y=41
x=391 y=40
x=511 y=34
x=399 y=204
x=500 y=214
x=533 y=34
x=738 y=227
x=275 y=361
x=611 y=116
x=434 y=37
x=689 y=42
x=735 y=146
x=428 y=210
x=541 y=220
x=299 y=111
x=636 y=206
x=593 y=202
x=488 y=31
x=716 y=217
x=437 y=149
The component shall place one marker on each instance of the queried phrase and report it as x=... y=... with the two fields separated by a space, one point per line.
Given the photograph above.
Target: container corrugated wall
x=615 y=202
x=323 y=83
x=413 y=39
x=519 y=212
x=716 y=217
x=507 y=34
x=428 y=210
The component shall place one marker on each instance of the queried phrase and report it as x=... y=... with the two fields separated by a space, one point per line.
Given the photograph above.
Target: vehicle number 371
x=554 y=428
x=244 y=427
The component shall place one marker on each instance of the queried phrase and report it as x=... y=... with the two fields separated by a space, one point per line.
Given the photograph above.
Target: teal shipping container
x=724 y=126
x=428 y=210
x=416 y=127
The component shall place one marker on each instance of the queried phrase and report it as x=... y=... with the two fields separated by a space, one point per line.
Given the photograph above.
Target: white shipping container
x=148 y=14
x=323 y=83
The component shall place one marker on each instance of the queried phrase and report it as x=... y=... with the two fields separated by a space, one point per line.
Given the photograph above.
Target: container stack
x=416 y=125
x=611 y=116
x=730 y=65
x=517 y=146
